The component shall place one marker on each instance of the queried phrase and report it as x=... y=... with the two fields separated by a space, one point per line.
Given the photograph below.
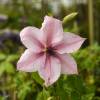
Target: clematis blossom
x=48 y=50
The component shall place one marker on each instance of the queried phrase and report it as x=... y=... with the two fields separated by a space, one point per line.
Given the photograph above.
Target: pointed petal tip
x=47 y=83
x=24 y=30
x=71 y=43
x=51 y=18
x=76 y=72
x=19 y=66
x=84 y=39
x=47 y=17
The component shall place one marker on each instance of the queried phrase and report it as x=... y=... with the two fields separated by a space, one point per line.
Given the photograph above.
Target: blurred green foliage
x=16 y=85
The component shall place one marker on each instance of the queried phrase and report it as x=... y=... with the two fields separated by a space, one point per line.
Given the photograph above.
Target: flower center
x=50 y=51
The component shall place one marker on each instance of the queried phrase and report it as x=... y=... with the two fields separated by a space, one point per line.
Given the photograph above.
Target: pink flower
x=48 y=50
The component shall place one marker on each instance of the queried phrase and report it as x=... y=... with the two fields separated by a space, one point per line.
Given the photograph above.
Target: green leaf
x=76 y=83
x=37 y=78
x=6 y=67
x=69 y=17
x=75 y=96
x=88 y=96
x=44 y=95
x=12 y=58
x=2 y=56
x=2 y=98
x=24 y=90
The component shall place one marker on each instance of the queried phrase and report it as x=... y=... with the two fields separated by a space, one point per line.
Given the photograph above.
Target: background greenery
x=16 y=14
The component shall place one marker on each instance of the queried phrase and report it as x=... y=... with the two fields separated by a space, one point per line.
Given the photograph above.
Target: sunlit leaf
x=37 y=78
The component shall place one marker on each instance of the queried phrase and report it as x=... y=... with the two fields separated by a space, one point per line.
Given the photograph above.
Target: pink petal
x=69 y=65
x=27 y=60
x=53 y=30
x=32 y=38
x=50 y=72
x=70 y=43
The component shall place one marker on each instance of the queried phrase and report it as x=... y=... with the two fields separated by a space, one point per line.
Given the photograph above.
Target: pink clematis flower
x=48 y=50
